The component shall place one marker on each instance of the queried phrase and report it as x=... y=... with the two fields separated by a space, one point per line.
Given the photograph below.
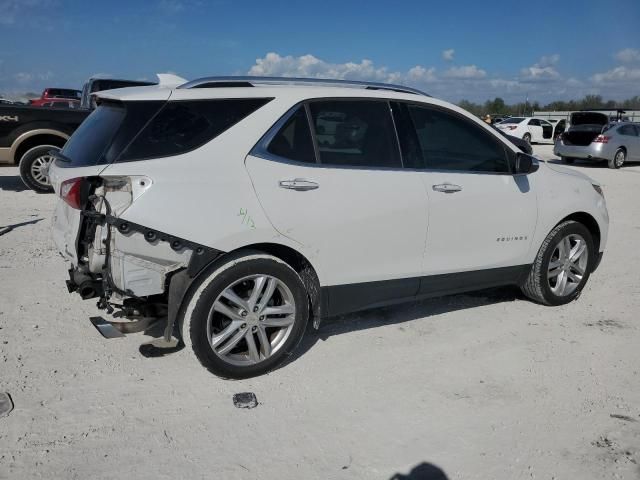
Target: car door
x=535 y=129
x=547 y=131
x=481 y=217
x=339 y=190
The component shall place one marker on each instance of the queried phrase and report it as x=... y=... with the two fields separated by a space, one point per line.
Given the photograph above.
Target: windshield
x=512 y=120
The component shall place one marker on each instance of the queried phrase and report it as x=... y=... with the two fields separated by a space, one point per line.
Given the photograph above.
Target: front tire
x=247 y=316
x=618 y=159
x=34 y=168
x=563 y=265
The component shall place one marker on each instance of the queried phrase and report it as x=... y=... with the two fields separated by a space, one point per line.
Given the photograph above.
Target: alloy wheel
x=40 y=169
x=619 y=158
x=251 y=320
x=568 y=265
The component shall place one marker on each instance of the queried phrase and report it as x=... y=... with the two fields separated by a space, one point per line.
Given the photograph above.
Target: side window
x=626 y=130
x=534 y=122
x=450 y=142
x=181 y=126
x=355 y=133
x=293 y=141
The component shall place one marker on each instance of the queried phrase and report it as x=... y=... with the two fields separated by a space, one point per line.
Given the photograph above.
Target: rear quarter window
x=182 y=126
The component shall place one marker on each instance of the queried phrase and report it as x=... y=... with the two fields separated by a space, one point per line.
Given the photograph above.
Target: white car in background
x=530 y=129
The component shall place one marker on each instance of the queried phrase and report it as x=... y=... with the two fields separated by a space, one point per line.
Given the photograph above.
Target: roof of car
x=248 y=87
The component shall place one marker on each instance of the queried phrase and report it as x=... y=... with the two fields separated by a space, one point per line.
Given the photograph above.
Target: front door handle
x=447 y=188
x=299 y=184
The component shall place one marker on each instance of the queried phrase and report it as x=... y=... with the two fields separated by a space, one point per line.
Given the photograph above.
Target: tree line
x=497 y=106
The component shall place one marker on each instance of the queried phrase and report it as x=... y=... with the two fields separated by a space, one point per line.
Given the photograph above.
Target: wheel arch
x=35 y=138
x=301 y=264
x=182 y=287
x=588 y=221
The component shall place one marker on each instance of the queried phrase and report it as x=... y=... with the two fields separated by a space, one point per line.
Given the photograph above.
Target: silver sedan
x=616 y=144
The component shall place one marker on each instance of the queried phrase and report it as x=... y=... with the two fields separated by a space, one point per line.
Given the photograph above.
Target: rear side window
x=627 y=130
x=355 y=133
x=182 y=126
x=293 y=141
x=449 y=142
x=106 y=132
x=92 y=138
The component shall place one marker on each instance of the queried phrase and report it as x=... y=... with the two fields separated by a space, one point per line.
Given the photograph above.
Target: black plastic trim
x=341 y=299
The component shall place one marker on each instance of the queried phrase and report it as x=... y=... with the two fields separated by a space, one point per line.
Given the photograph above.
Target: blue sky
x=464 y=49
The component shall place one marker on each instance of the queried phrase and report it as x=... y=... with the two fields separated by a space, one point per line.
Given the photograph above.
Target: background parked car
x=29 y=134
x=530 y=129
x=615 y=143
x=62 y=103
x=54 y=93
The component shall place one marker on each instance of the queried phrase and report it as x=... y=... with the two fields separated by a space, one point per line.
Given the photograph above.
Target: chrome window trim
x=260 y=149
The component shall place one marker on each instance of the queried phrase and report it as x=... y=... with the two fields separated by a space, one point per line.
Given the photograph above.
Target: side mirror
x=526 y=164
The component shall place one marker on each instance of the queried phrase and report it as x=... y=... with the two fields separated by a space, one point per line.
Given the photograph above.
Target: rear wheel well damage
x=36 y=141
x=182 y=286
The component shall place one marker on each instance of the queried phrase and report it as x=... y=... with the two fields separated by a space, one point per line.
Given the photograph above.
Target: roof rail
x=250 y=81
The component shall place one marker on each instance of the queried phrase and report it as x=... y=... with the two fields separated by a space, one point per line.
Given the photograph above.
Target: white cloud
x=28 y=77
x=628 y=55
x=448 y=54
x=543 y=70
x=465 y=72
x=419 y=74
x=274 y=64
x=620 y=74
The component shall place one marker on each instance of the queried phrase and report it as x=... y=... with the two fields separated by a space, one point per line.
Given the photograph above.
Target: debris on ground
x=245 y=400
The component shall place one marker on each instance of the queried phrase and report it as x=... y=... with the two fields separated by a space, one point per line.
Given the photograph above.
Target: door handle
x=447 y=188
x=299 y=184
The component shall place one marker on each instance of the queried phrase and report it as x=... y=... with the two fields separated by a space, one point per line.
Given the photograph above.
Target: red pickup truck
x=50 y=95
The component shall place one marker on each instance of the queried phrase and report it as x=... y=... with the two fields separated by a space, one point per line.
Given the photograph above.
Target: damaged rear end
x=115 y=176
x=126 y=266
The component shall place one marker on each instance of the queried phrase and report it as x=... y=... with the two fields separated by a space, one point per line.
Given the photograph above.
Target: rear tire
x=527 y=138
x=263 y=338
x=568 y=160
x=618 y=159
x=551 y=267
x=34 y=168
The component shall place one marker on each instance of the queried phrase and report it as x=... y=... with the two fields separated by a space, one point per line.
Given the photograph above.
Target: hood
x=569 y=171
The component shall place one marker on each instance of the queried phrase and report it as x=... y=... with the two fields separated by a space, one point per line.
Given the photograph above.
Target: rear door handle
x=447 y=188
x=299 y=184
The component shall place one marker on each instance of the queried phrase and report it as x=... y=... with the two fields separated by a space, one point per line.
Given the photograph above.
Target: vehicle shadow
x=402 y=313
x=12 y=183
x=422 y=471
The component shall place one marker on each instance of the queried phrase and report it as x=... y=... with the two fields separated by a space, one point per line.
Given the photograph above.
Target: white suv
x=237 y=209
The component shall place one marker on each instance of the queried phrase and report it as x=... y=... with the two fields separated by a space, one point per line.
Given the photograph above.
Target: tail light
x=512 y=127
x=601 y=139
x=70 y=192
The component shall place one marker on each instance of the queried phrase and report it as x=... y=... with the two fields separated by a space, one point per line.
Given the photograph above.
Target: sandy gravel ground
x=483 y=386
